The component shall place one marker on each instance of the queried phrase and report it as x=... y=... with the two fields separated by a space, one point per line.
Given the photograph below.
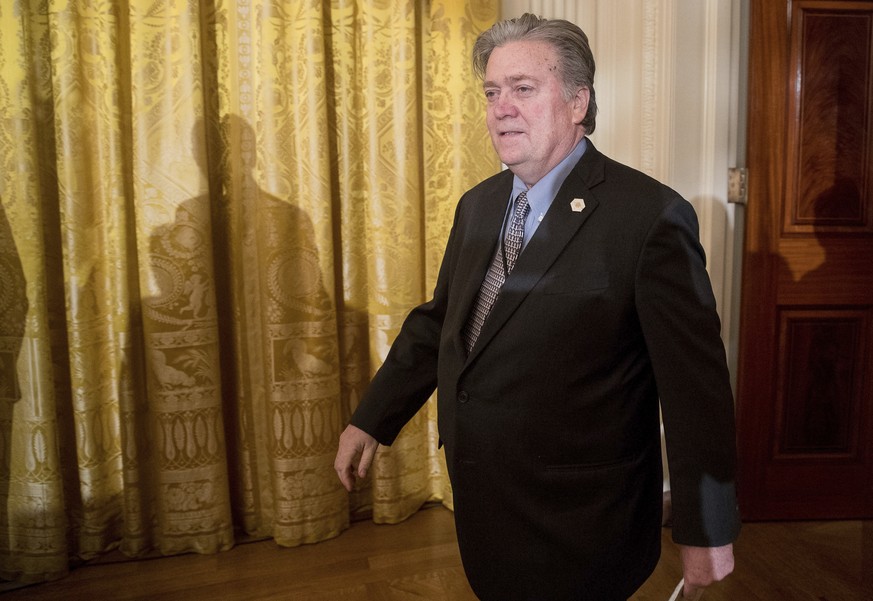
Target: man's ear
x=580 y=105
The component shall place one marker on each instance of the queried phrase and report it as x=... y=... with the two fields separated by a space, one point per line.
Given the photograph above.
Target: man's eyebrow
x=511 y=79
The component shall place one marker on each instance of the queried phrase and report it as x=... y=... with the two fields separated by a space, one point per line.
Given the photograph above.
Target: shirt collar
x=542 y=193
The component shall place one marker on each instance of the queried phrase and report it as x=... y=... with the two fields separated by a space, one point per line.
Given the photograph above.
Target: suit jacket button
x=463 y=397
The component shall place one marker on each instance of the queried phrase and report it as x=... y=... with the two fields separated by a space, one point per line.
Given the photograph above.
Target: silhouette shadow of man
x=13 y=312
x=244 y=264
x=822 y=385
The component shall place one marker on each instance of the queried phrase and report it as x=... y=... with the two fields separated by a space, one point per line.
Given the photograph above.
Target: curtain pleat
x=214 y=218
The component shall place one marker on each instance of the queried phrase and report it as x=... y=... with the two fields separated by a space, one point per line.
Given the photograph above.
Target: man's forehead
x=523 y=58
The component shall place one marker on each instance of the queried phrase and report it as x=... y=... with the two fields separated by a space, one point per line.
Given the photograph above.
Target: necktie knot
x=515 y=234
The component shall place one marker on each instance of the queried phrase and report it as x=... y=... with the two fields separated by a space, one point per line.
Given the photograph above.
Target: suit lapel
x=479 y=247
x=559 y=226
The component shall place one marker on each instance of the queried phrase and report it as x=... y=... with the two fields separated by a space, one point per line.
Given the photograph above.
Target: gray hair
x=575 y=60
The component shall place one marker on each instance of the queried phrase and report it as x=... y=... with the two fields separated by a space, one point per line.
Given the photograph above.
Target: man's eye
x=490 y=95
x=524 y=90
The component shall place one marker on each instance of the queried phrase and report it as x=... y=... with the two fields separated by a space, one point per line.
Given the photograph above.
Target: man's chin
x=509 y=159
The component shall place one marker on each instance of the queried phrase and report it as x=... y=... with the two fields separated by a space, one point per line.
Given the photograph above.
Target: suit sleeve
x=678 y=315
x=408 y=376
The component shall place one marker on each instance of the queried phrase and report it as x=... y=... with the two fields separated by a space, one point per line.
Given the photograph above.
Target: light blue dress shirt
x=542 y=193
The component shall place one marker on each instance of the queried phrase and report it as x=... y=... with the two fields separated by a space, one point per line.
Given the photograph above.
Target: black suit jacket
x=550 y=425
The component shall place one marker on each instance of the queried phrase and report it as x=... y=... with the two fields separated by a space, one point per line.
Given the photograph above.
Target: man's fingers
x=366 y=461
x=344 y=467
x=354 y=455
x=347 y=479
x=702 y=566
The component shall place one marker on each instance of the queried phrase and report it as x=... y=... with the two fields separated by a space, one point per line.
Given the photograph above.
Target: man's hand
x=354 y=456
x=701 y=566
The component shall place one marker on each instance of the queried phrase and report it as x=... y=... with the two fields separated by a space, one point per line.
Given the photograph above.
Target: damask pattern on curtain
x=214 y=217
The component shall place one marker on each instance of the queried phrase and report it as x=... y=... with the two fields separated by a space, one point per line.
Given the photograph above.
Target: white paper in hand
x=677 y=594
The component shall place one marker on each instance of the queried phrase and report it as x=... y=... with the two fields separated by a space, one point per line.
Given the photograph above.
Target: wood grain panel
x=819 y=399
x=829 y=173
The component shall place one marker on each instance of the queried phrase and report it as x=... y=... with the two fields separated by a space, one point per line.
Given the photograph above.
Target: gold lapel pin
x=577 y=204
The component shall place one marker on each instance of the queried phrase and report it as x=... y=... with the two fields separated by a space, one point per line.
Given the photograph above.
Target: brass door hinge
x=738 y=192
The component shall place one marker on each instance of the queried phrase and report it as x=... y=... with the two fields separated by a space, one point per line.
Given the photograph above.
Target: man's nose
x=504 y=106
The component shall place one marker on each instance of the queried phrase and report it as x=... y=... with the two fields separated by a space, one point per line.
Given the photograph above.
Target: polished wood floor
x=799 y=561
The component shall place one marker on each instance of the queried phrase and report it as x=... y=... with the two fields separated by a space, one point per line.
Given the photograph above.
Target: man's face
x=532 y=126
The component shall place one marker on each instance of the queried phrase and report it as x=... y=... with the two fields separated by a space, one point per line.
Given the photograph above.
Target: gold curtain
x=214 y=217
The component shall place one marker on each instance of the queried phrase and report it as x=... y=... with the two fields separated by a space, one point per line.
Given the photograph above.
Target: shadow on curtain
x=215 y=217
x=13 y=311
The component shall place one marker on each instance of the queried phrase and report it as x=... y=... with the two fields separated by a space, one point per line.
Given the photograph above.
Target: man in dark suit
x=572 y=297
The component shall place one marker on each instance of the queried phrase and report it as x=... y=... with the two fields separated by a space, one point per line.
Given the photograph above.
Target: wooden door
x=805 y=368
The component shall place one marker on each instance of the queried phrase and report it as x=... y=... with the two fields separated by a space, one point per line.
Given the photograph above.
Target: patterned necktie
x=504 y=261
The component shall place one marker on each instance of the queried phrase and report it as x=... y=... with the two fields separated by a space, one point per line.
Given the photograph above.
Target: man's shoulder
x=622 y=179
x=498 y=181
